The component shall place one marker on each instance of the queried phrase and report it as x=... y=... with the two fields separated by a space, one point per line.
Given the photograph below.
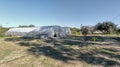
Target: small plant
x=82 y=39
x=94 y=39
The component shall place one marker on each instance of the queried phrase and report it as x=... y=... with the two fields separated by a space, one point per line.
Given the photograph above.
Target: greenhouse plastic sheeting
x=49 y=31
x=19 y=31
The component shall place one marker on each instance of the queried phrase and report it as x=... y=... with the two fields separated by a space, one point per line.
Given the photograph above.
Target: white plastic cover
x=19 y=31
x=49 y=31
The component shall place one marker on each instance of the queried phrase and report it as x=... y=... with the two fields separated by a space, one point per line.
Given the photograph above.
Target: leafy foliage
x=118 y=31
x=26 y=25
x=2 y=31
x=75 y=31
x=106 y=27
x=87 y=30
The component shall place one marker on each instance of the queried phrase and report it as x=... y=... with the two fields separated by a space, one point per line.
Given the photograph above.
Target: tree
x=31 y=25
x=75 y=31
x=118 y=31
x=26 y=25
x=106 y=27
x=87 y=30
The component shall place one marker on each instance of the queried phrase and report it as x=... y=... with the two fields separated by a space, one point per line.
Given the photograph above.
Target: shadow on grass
x=19 y=39
x=91 y=59
x=38 y=49
x=116 y=38
x=66 y=54
x=87 y=38
x=63 y=53
x=50 y=52
x=27 y=44
x=64 y=42
x=110 y=52
x=71 y=42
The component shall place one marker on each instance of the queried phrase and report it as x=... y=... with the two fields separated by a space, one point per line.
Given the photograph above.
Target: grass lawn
x=22 y=52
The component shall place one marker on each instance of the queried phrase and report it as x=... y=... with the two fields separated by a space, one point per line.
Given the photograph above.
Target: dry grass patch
x=19 y=52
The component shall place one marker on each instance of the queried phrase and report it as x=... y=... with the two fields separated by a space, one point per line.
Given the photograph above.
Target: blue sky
x=58 y=12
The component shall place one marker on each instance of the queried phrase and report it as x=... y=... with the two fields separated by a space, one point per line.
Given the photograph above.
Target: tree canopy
x=31 y=25
x=75 y=31
x=106 y=27
x=87 y=30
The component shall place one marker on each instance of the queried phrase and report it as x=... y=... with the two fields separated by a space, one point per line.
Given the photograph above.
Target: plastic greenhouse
x=42 y=32
x=19 y=31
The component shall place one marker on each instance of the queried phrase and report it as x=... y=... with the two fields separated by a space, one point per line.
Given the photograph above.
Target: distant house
x=44 y=31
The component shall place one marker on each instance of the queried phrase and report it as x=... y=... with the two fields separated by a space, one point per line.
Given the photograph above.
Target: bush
x=2 y=31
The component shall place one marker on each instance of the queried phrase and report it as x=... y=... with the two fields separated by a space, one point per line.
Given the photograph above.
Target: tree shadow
x=116 y=38
x=58 y=53
x=87 y=38
x=67 y=54
x=49 y=52
x=110 y=52
x=28 y=44
x=71 y=42
x=91 y=59
x=19 y=39
x=63 y=53
x=64 y=42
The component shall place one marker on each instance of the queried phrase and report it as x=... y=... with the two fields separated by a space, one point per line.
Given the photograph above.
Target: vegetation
x=22 y=52
x=31 y=25
x=118 y=31
x=106 y=27
x=2 y=31
x=75 y=31
x=87 y=30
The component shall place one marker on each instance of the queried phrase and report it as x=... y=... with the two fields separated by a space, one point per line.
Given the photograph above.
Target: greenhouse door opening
x=55 y=35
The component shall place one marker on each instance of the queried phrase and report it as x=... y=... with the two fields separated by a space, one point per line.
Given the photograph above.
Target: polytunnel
x=44 y=31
